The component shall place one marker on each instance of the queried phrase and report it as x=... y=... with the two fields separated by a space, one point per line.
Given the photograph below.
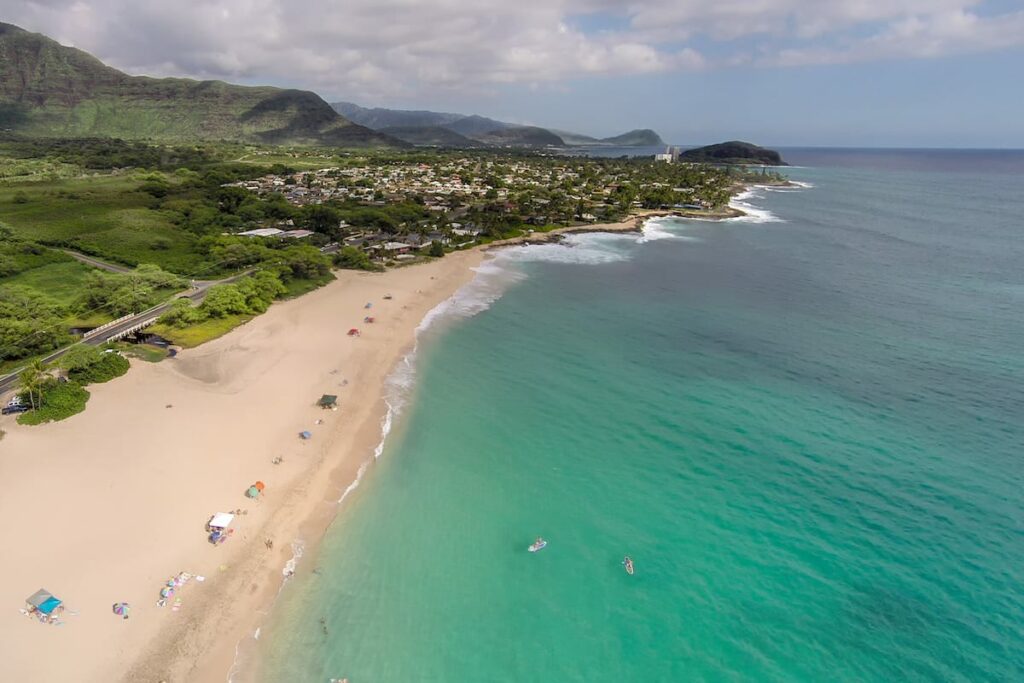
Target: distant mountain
x=474 y=125
x=521 y=136
x=575 y=139
x=481 y=127
x=379 y=119
x=734 y=152
x=431 y=136
x=642 y=137
x=47 y=89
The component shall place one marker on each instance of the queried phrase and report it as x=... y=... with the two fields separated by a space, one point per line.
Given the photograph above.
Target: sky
x=887 y=73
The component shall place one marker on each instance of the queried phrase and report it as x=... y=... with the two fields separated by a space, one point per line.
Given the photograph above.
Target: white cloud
x=390 y=49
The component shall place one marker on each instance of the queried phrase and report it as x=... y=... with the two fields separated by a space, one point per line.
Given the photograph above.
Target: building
x=669 y=156
x=263 y=232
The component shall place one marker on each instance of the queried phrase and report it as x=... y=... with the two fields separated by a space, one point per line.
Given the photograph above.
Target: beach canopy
x=44 y=601
x=306 y=435
x=328 y=401
x=221 y=520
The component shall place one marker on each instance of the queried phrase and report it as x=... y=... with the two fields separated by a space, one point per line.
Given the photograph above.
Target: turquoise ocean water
x=806 y=428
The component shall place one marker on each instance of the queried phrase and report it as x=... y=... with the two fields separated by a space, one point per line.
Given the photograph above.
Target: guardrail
x=96 y=330
x=134 y=328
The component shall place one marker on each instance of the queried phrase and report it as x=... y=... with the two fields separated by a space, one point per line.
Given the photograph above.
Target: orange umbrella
x=260 y=485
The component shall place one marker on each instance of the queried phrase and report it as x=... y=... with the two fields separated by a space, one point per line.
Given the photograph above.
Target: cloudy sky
x=815 y=72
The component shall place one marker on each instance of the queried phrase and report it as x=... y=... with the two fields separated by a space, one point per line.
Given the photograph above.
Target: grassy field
x=103 y=215
x=28 y=170
x=59 y=281
x=300 y=160
x=194 y=335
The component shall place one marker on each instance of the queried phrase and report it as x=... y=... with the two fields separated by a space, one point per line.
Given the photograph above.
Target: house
x=262 y=232
x=296 y=234
x=396 y=247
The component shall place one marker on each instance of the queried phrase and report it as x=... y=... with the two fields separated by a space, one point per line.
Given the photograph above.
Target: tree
x=32 y=380
x=230 y=198
x=80 y=357
x=319 y=218
x=224 y=300
x=436 y=248
x=306 y=262
x=353 y=259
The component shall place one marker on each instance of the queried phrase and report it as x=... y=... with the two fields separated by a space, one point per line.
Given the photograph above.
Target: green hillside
x=49 y=90
x=521 y=136
x=734 y=152
x=432 y=136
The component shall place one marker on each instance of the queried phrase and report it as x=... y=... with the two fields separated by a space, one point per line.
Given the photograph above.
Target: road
x=96 y=263
x=197 y=294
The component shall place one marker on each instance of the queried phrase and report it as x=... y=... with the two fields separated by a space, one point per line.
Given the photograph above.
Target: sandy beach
x=108 y=505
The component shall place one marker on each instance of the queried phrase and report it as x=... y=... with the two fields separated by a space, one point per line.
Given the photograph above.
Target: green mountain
x=49 y=90
x=734 y=152
x=642 y=137
x=475 y=125
x=379 y=118
x=482 y=128
x=430 y=136
x=521 y=136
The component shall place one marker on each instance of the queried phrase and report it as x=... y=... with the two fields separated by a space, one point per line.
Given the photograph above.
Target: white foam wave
x=665 y=228
x=656 y=229
x=490 y=282
x=298 y=548
x=754 y=214
x=585 y=250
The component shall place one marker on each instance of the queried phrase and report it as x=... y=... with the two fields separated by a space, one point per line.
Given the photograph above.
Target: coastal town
x=459 y=200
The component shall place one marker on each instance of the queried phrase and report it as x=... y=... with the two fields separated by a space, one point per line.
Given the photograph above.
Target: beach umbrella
x=166 y=592
x=252 y=492
x=259 y=485
x=122 y=609
x=305 y=435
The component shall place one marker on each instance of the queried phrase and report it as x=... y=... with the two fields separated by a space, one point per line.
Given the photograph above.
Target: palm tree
x=32 y=379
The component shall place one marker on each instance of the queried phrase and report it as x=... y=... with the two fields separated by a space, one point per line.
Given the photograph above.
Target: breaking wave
x=754 y=214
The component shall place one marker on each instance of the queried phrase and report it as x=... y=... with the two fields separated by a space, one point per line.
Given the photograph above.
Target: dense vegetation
x=60 y=400
x=734 y=152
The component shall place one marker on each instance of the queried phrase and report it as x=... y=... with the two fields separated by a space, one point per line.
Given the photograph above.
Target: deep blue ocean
x=806 y=427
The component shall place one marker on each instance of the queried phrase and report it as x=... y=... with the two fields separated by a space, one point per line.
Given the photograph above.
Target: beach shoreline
x=119 y=494
x=243 y=578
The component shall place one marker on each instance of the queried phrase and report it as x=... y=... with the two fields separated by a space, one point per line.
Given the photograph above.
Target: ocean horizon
x=803 y=426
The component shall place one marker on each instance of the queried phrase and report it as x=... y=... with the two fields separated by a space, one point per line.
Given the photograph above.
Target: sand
x=106 y=506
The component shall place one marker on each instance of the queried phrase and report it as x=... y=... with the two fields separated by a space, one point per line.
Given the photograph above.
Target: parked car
x=11 y=408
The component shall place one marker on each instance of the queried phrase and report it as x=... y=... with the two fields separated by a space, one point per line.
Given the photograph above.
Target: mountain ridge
x=484 y=129
x=52 y=90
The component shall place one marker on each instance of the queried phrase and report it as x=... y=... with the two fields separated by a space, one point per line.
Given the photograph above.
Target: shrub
x=20 y=198
x=109 y=366
x=60 y=400
x=354 y=259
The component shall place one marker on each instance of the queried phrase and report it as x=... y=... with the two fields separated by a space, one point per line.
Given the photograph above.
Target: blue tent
x=43 y=601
